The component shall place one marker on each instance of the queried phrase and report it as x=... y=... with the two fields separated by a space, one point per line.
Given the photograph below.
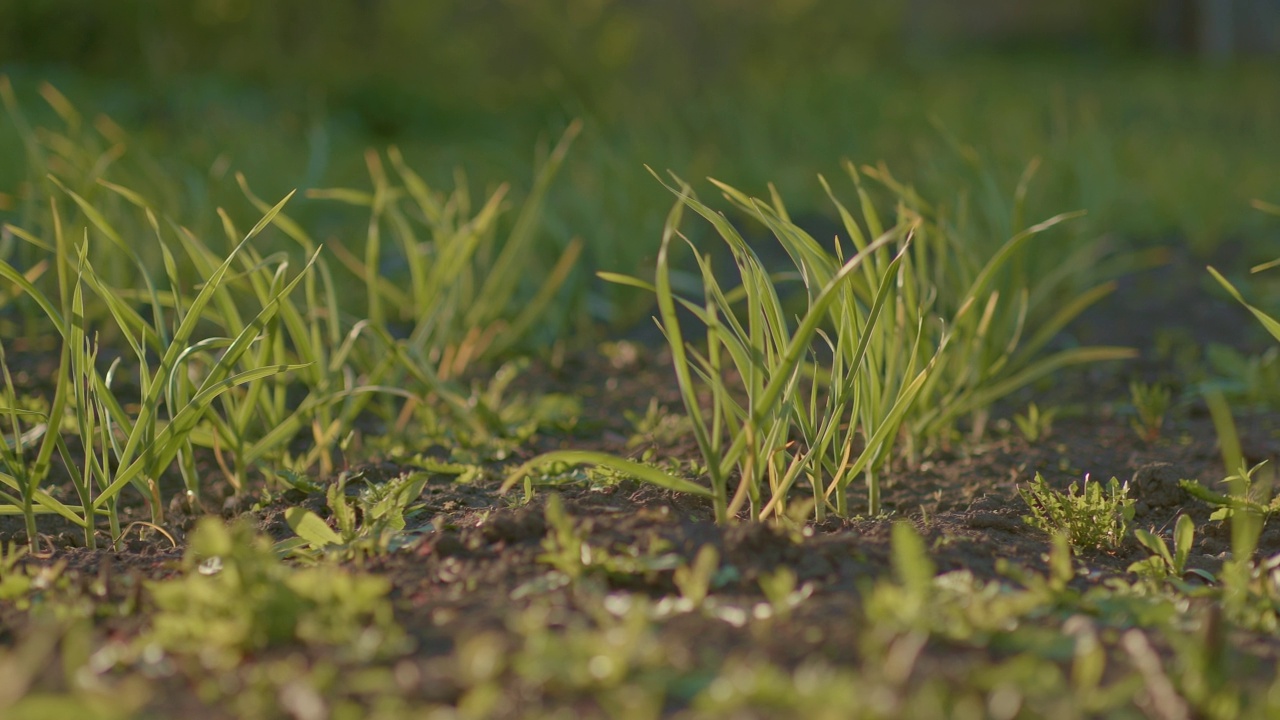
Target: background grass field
x=1157 y=146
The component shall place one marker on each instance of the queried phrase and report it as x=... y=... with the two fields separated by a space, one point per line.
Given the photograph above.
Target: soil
x=467 y=576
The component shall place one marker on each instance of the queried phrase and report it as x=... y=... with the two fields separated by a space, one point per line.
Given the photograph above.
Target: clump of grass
x=991 y=287
x=135 y=448
x=748 y=335
x=897 y=340
x=249 y=355
x=462 y=294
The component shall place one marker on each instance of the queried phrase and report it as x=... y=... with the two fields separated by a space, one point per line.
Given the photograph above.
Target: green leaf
x=910 y=562
x=1156 y=546
x=1183 y=535
x=1271 y=324
x=311 y=528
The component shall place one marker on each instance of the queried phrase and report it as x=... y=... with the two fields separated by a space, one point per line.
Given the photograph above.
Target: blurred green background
x=1159 y=118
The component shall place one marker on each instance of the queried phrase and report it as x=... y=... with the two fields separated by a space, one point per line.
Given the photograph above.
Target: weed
x=1150 y=403
x=616 y=659
x=236 y=596
x=782 y=593
x=1166 y=566
x=372 y=521
x=46 y=674
x=567 y=549
x=657 y=426
x=1251 y=380
x=1090 y=518
x=1248 y=504
x=20 y=581
x=1035 y=424
x=695 y=580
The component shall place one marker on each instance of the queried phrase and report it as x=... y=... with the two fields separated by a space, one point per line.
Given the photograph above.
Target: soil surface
x=479 y=566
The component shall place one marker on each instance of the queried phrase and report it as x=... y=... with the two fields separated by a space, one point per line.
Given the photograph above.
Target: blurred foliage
x=457 y=53
x=291 y=92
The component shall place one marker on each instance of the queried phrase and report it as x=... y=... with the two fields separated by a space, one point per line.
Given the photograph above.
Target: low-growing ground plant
x=1090 y=517
x=59 y=648
x=1164 y=565
x=569 y=551
x=236 y=596
x=1248 y=504
x=372 y=520
x=1150 y=403
x=1035 y=424
x=657 y=425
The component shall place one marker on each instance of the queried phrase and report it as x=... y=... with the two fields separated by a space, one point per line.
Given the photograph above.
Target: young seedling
x=1164 y=565
x=1248 y=504
x=1035 y=424
x=695 y=580
x=1150 y=403
x=782 y=593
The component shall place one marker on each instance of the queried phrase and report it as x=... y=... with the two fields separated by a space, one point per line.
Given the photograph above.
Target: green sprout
x=1150 y=403
x=1035 y=424
x=1166 y=565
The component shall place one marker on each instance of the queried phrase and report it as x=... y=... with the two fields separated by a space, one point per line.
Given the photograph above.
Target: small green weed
x=1150 y=403
x=567 y=549
x=1244 y=493
x=782 y=593
x=372 y=521
x=1248 y=504
x=695 y=580
x=1249 y=380
x=19 y=581
x=1035 y=424
x=46 y=674
x=657 y=426
x=236 y=597
x=1090 y=518
x=1164 y=565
